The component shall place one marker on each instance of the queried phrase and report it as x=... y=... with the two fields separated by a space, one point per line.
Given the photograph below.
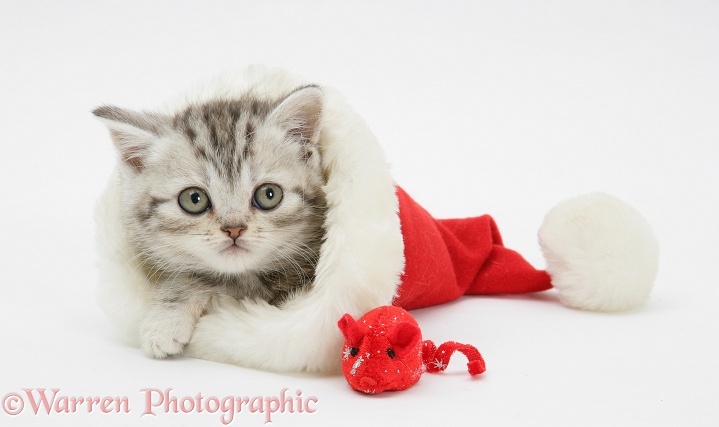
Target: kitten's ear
x=133 y=133
x=300 y=113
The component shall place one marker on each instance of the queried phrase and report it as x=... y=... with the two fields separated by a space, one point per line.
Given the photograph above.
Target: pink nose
x=233 y=232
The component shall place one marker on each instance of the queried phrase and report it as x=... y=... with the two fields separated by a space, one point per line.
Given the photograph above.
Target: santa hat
x=382 y=248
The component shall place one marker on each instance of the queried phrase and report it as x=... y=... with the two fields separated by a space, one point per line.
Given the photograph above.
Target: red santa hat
x=382 y=248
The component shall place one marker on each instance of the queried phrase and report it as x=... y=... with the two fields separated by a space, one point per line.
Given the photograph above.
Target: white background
x=482 y=107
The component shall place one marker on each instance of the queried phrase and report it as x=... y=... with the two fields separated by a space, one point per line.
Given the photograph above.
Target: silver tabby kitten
x=223 y=197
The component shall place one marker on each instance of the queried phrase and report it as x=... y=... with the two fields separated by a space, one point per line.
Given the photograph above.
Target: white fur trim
x=122 y=289
x=360 y=262
x=601 y=253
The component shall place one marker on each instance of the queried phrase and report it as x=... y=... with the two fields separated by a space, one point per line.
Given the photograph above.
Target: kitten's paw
x=165 y=333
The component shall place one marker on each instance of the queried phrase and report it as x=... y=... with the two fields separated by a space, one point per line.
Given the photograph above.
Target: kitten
x=224 y=196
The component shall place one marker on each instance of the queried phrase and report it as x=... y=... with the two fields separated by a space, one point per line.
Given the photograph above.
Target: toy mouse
x=384 y=351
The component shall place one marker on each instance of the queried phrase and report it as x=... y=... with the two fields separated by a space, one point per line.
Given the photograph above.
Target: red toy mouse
x=384 y=351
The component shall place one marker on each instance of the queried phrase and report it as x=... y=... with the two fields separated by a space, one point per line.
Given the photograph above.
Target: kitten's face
x=223 y=187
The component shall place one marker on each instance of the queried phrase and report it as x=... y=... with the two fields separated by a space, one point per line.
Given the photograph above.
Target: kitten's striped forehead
x=221 y=132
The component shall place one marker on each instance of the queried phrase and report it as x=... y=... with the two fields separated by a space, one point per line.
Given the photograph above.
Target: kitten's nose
x=234 y=232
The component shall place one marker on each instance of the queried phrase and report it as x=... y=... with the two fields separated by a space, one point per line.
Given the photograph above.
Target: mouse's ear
x=350 y=329
x=404 y=338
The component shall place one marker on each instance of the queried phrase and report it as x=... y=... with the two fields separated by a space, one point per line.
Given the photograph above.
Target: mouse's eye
x=390 y=353
x=354 y=351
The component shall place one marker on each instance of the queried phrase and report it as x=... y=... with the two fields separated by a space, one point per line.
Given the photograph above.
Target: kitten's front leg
x=168 y=325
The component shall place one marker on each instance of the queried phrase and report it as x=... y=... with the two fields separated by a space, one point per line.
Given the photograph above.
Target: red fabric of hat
x=445 y=259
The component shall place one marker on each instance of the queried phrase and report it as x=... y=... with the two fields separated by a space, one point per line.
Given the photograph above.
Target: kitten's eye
x=267 y=196
x=193 y=200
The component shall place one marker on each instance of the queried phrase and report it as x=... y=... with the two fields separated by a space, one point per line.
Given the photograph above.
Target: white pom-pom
x=601 y=253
